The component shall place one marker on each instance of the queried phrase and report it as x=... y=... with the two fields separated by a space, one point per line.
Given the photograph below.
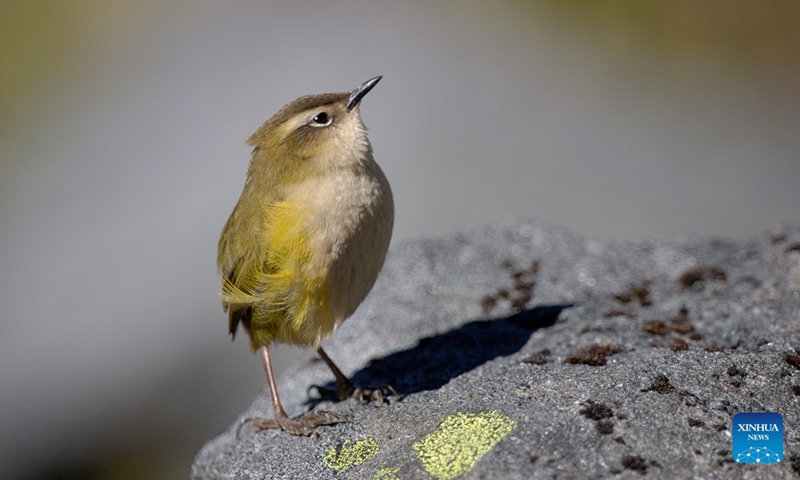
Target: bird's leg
x=296 y=426
x=345 y=388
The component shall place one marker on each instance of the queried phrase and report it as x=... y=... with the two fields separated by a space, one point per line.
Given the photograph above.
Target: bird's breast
x=348 y=217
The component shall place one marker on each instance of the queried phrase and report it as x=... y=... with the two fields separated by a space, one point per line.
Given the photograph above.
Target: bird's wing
x=241 y=253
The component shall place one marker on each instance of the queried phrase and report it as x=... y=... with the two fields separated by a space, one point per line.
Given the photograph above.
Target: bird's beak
x=358 y=93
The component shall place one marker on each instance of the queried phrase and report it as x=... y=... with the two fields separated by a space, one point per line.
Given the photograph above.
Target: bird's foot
x=345 y=391
x=376 y=394
x=304 y=425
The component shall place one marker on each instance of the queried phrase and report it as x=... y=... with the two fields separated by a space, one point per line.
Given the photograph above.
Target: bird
x=307 y=238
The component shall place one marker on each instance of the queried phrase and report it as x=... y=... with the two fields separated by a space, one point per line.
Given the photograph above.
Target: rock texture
x=522 y=350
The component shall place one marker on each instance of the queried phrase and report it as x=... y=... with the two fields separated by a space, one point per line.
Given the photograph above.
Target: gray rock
x=629 y=359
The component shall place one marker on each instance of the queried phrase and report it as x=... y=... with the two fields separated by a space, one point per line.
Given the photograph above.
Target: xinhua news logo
x=757 y=437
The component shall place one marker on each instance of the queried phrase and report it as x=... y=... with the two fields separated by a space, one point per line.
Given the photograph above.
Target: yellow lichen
x=460 y=441
x=343 y=456
x=387 y=473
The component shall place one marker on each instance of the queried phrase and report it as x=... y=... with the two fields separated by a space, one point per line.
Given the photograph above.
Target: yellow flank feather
x=286 y=290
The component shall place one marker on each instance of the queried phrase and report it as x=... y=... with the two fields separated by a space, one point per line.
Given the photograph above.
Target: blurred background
x=122 y=129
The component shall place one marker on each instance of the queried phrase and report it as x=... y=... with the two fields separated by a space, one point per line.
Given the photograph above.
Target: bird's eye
x=321 y=119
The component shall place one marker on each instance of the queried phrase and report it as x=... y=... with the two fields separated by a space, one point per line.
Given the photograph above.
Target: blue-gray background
x=122 y=128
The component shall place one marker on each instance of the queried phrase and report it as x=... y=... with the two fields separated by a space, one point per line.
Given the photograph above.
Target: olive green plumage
x=309 y=233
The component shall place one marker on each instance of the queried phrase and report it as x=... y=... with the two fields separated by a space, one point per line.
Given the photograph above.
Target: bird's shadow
x=438 y=359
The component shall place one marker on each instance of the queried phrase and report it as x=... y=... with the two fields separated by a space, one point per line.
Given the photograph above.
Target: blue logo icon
x=757 y=437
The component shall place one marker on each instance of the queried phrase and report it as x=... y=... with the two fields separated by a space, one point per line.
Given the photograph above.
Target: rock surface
x=522 y=350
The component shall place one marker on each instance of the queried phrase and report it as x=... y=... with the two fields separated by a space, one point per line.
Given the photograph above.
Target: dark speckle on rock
x=777 y=238
x=594 y=355
x=793 y=360
x=693 y=422
x=692 y=277
x=635 y=463
x=614 y=312
x=524 y=282
x=656 y=327
x=488 y=302
x=636 y=292
x=538 y=358
x=794 y=460
x=596 y=410
x=679 y=345
x=678 y=323
x=732 y=371
x=682 y=328
x=604 y=427
x=690 y=399
x=660 y=385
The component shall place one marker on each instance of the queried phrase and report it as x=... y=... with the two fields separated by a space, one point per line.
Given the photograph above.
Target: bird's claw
x=304 y=425
x=376 y=394
x=363 y=395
